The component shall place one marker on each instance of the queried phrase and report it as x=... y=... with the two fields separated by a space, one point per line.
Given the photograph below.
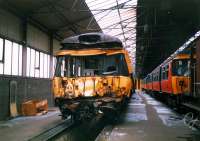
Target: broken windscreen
x=70 y=66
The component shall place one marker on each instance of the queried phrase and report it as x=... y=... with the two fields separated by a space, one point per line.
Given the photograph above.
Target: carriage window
x=167 y=71
x=163 y=73
x=156 y=76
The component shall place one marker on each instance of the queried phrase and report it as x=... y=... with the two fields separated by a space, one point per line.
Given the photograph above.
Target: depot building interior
x=32 y=34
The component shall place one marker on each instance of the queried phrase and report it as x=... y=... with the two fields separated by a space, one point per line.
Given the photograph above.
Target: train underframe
x=83 y=108
x=173 y=100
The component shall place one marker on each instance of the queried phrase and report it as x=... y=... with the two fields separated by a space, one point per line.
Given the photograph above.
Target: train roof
x=184 y=47
x=181 y=50
x=94 y=40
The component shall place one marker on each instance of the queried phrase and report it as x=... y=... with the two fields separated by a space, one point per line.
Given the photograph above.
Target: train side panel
x=156 y=86
x=166 y=78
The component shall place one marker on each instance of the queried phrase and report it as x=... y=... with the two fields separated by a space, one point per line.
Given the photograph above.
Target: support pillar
x=51 y=67
x=24 y=47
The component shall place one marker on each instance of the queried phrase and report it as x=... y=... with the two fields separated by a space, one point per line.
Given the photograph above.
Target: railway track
x=52 y=132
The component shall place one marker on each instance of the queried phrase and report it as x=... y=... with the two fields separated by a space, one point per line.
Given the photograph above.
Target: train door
x=159 y=79
x=166 y=76
x=163 y=79
x=153 y=80
x=151 y=84
x=170 y=77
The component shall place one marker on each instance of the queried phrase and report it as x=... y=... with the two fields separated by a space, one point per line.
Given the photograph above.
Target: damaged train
x=93 y=75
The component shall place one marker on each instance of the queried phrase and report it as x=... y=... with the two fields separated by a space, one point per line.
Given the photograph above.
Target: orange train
x=171 y=80
x=93 y=74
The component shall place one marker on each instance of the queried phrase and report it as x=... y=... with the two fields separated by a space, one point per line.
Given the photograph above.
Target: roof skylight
x=117 y=18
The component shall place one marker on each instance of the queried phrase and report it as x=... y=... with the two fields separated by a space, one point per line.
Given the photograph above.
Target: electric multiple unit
x=93 y=75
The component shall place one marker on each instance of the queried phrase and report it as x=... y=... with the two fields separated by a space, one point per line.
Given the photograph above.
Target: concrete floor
x=145 y=119
x=24 y=128
x=148 y=120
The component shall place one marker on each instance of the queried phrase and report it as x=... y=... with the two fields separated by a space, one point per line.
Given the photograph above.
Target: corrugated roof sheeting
x=62 y=17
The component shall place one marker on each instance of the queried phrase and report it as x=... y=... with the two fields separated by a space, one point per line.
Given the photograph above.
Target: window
x=38 y=64
x=41 y=65
x=20 y=60
x=28 y=61
x=8 y=57
x=1 y=50
x=48 y=66
x=181 y=67
x=54 y=65
x=165 y=71
x=45 y=66
x=81 y=66
x=158 y=76
x=32 y=64
x=15 y=58
x=1 y=55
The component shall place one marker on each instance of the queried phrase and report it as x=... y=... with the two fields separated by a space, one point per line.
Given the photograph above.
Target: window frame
x=3 y=51
x=45 y=57
x=19 y=67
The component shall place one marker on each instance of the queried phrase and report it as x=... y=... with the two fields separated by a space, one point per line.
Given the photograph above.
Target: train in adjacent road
x=93 y=75
x=175 y=79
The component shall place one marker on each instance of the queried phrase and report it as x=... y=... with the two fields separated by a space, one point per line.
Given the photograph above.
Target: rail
x=52 y=132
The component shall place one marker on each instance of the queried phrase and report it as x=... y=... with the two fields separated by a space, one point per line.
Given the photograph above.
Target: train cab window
x=91 y=62
x=181 y=67
x=70 y=66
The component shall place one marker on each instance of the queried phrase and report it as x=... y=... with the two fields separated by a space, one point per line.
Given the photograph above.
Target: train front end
x=181 y=80
x=91 y=79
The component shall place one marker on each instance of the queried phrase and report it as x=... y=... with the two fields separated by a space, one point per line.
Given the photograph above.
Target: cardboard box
x=34 y=107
